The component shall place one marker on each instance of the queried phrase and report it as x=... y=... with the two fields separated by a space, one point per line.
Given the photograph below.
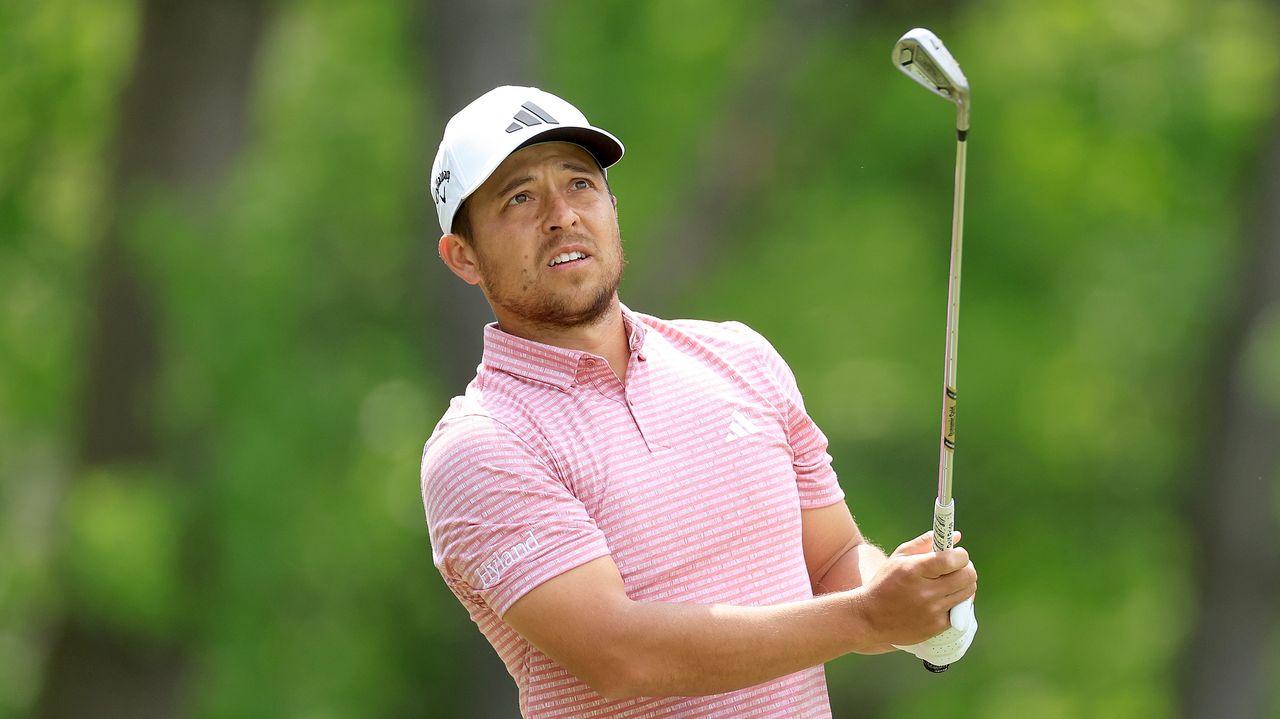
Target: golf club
x=922 y=56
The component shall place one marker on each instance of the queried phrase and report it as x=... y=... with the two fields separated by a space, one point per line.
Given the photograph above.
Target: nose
x=560 y=215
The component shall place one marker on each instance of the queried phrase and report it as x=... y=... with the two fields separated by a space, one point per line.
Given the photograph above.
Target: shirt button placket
x=635 y=394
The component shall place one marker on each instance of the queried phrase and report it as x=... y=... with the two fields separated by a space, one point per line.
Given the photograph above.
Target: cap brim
x=604 y=147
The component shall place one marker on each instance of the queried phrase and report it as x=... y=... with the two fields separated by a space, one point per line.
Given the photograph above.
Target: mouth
x=568 y=259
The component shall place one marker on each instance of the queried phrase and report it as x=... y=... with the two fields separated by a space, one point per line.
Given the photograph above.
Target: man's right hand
x=909 y=599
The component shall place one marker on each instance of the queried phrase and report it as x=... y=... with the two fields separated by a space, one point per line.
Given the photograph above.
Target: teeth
x=565 y=257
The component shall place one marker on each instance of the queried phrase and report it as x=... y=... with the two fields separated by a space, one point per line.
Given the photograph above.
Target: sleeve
x=815 y=477
x=501 y=521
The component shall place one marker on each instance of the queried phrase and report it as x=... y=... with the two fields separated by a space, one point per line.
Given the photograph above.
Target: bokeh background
x=224 y=333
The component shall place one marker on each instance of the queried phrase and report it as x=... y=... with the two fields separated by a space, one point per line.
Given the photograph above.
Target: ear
x=460 y=258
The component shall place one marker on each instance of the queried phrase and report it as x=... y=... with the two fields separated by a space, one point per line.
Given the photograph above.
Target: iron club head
x=922 y=56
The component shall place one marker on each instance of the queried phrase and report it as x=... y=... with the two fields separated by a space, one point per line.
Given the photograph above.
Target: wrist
x=864 y=638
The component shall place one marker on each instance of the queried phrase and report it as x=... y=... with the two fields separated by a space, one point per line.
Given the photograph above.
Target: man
x=637 y=513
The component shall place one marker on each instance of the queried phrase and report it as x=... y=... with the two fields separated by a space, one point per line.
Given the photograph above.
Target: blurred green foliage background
x=263 y=553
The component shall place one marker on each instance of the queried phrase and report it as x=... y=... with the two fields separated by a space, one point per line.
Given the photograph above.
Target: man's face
x=543 y=203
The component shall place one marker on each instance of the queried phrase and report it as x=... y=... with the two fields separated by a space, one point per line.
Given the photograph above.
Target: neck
x=605 y=337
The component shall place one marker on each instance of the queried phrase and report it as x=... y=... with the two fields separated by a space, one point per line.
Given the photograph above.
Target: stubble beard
x=557 y=311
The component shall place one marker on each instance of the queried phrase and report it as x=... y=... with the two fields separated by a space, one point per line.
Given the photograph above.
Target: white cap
x=498 y=123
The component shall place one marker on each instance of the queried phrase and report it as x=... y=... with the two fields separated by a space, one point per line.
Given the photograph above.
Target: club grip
x=944 y=525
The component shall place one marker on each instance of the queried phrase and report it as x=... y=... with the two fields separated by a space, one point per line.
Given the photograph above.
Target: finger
x=944 y=563
x=960 y=593
x=919 y=545
x=958 y=586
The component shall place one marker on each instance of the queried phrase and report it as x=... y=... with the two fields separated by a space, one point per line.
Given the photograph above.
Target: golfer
x=638 y=513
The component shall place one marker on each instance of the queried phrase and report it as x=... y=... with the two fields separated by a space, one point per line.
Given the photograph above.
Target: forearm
x=584 y=620
x=850 y=569
x=690 y=650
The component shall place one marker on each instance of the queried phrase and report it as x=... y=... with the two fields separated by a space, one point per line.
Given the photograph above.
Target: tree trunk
x=182 y=121
x=1232 y=508
x=739 y=150
x=474 y=47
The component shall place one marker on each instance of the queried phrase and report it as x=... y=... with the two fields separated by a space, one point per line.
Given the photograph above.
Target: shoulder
x=476 y=429
x=491 y=415
x=470 y=441
x=731 y=335
x=743 y=349
x=465 y=429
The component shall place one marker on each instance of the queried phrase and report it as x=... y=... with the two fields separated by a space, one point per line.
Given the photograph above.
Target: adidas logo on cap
x=529 y=116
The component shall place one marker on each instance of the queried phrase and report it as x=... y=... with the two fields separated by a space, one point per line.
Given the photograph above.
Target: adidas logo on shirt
x=739 y=427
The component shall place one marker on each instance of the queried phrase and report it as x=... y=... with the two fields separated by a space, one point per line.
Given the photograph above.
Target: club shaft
x=944 y=510
x=953 y=320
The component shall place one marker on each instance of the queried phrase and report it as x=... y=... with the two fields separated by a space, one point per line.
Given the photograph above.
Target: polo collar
x=546 y=363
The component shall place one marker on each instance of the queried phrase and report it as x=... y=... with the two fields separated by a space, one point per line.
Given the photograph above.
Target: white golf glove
x=949 y=646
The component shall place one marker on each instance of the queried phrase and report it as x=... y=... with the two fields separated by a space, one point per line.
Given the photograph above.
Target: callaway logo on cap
x=498 y=123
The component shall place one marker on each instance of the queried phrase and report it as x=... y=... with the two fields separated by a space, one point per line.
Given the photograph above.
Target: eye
x=519 y=199
x=581 y=184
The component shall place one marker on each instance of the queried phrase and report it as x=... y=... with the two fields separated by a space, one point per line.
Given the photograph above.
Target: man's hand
x=910 y=597
x=948 y=647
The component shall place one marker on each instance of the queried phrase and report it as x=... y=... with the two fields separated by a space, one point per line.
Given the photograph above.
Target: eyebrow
x=566 y=165
x=514 y=184
x=575 y=166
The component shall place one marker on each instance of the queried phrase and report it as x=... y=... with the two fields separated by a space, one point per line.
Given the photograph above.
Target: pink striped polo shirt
x=692 y=476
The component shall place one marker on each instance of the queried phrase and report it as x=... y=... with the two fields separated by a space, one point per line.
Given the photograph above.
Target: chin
x=584 y=305
x=584 y=313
